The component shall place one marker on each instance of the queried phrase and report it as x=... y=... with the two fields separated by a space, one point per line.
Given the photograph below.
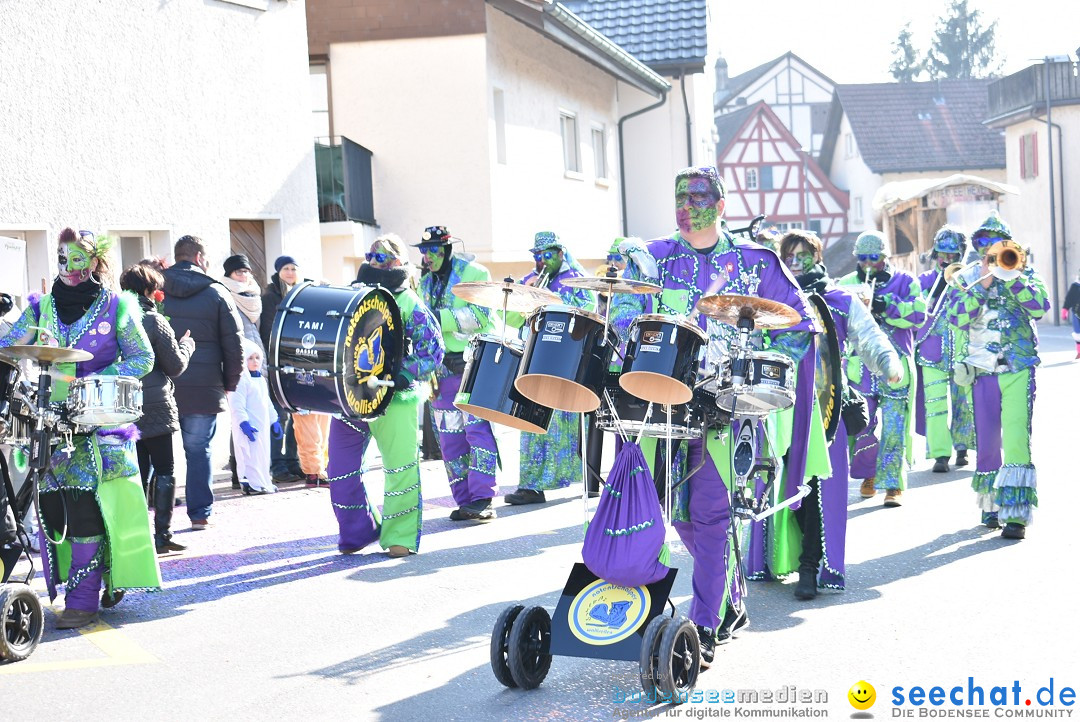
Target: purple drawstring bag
x=624 y=539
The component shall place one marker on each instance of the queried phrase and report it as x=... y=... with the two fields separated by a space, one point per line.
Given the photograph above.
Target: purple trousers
x=468 y=446
x=833 y=493
x=706 y=537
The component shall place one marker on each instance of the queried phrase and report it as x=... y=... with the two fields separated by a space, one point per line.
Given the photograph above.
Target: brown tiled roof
x=930 y=126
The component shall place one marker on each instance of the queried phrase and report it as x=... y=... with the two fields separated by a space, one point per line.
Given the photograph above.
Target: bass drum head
x=828 y=368
x=373 y=346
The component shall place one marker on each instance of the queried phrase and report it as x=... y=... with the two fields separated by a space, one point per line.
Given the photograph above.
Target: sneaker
x=733 y=622
x=75 y=618
x=806 y=589
x=990 y=519
x=961 y=457
x=1013 y=530
x=323 y=481
x=479 y=510
x=311 y=481
x=169 y=545
x=525 y=496
x=287 y=477
x=199 y=524
x=941 y=465
x=866 y=489
x=708 y=646
x=892 y=497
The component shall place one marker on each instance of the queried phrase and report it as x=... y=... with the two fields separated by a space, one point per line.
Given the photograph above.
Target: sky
x=850 y=41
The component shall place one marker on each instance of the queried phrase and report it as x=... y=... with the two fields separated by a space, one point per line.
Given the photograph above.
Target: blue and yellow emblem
x=603 y=613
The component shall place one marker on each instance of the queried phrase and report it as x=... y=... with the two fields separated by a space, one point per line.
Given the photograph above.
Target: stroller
x=21 y=615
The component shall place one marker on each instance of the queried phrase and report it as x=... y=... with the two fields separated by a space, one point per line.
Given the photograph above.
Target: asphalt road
x=262 y=617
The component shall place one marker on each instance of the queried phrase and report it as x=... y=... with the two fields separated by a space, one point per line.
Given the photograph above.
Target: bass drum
x=828 y=367
x=327 y=342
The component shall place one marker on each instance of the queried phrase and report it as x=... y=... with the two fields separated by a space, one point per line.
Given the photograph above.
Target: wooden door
x=249 y=238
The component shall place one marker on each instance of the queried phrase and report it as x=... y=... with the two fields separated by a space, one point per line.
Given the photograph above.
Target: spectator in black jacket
x=160 y=419
x=284 y=465
x=194 y=301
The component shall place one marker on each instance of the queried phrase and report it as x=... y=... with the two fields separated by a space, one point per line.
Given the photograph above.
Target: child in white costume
x=251 y=427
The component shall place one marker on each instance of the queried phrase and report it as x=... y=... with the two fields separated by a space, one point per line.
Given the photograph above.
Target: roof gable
x=663 y=34
x=738 y=85
x=915 y=127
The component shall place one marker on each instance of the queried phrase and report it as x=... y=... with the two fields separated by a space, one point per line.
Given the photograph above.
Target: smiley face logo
x=862 y=695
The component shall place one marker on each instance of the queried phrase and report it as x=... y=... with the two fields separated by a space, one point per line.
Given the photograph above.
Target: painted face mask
x=944 y=259
x=871 y=262
x=434 y=258
x=74 y=263
x=548 y=261
x=802 y=261
x=695 y=204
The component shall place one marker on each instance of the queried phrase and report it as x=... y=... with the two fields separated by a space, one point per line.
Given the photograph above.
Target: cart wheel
x=650 y=649
x=528 y=651
x=499 y=637
x=22 y=619
x=679 y=659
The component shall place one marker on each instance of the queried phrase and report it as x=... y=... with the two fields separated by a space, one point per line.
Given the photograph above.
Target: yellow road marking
x=119 y=651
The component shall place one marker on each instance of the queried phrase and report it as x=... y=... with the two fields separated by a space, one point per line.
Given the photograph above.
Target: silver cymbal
x=612 y=284
x=518 y=297
x=45 y=354
x=767 y=315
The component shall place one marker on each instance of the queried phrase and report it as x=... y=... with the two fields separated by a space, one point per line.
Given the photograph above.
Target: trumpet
x=1007 y=261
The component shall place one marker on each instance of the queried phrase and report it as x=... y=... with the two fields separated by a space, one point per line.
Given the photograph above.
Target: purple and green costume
x=399 y=524
x=886 y=461
x=96 y=487
x=468 y=444
x=1003 y=350
x=702 y=513
x=938 y=348
x=553 y=460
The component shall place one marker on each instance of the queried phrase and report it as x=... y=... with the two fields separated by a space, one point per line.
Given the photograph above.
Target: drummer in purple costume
x=898 y=306
x=823 y=515
x=698 y=260
x=551 y=460
x=468 y=444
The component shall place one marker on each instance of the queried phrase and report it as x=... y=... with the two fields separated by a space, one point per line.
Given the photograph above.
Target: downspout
x=686 y=112
x=1053 y=214
x=1064 y=227
x=622 y=155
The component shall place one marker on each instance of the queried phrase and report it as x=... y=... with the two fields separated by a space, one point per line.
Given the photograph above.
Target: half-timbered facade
x=768 y=174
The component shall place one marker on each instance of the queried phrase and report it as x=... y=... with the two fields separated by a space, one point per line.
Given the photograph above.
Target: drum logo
x=769 y=372
x=604 y=613
x=370 y=354
x=652 y=337
x=308 y=341
x=555 y=326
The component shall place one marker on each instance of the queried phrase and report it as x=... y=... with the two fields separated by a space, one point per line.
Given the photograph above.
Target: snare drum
x=104 y=400
x=633 y=417
x=566 y=358
x=487 y=386
x=327 y=342
x=769 y=386
x=661 y=361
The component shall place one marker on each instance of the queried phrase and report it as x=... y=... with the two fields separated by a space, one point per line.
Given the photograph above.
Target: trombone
x=1007 y=261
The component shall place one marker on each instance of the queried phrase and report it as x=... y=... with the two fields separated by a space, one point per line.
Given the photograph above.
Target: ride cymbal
x=766 y=314
x=609 y=284
x=518 y=297
x=46 y=354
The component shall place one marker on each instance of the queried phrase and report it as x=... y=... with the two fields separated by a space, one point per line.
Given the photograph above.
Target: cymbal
x=46 y=354
x=730 y=307
x=519 y=297
x=612 y=284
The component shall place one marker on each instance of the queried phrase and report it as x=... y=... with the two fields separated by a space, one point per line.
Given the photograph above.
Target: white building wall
x=420 y=106
x=162 y=118
x=532 y=191
x=1029 y=212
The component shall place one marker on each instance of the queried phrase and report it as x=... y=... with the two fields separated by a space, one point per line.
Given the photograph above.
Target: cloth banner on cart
x=624 y=539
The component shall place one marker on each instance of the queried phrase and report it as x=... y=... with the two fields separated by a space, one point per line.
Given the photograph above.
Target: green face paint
x=74 y=263
x=434 y=258
x=695 y=204
x=800 y=262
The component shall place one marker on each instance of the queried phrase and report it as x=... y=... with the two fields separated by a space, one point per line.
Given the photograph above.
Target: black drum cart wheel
x=649 y=663
x=679 y=659
x=529 y=647
x=22 y=621
x=500 y=639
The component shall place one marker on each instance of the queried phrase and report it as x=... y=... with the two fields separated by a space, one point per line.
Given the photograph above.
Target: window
x=782 y=227
x=766 y=178
x=751 y=179
x=856 y=209
x=1029 y=155
x=849 y=146
x=133 y=248
x=320 y=101
x=499 y=109
x=571 y=152
x=599 y=149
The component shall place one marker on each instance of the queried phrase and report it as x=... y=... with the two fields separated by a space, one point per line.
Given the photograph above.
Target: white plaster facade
x=1029 y=212
x=794 y=91
x=466 y=132
x=155 y=120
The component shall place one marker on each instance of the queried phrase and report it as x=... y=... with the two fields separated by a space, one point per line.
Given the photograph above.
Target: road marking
x=119 y=651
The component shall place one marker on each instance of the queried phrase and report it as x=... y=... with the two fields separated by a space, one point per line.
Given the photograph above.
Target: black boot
x=164 y=496
x=806 y=588
x=961 y=457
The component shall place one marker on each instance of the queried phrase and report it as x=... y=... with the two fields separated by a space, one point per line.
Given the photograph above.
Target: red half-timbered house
x=767 y=173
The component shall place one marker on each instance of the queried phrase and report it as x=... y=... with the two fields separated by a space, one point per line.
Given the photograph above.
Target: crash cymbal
x=518 y=296
x=730 y=307
x=46 y=354
x=612 y=284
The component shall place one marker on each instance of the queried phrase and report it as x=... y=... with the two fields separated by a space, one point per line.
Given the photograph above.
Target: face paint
x=381 y=257
x=548 y=261
x=872 y=266
x=433 y=257
x=74 y=264
x=944 y=259
x=802 y=261
x=695 y=204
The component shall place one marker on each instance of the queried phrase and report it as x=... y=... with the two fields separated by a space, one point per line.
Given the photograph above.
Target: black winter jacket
x=272 y=296
x=170 y=360
x=196 y=302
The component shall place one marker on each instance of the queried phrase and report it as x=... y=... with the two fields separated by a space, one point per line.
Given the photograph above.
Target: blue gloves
x=249 y=430
x=275 y=429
